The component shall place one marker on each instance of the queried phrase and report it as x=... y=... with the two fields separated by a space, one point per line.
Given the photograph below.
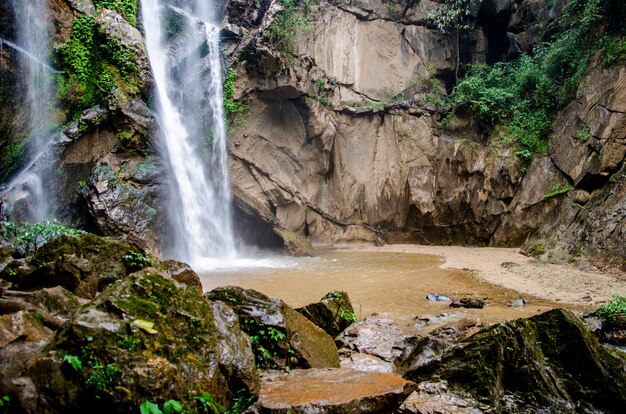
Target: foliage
x=169 y=407
x=93 y=64
x=137 y=261
x=233 y=109
x=127 y=8
x=348 y=316
x=208 y=404
x=268 y=343
x=610 y=312
x=129 y=343
x=525 y=94
x=451 y=15
x=74 y=361
x=27 y=237
x=289 y=23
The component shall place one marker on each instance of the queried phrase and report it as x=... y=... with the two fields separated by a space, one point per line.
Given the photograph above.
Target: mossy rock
x=110 y=358
x=281 y=337
x=333 y=313
x=83 y=264
x=550 y=362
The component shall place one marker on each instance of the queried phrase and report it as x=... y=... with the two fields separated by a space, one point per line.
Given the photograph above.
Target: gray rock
x=435 y=297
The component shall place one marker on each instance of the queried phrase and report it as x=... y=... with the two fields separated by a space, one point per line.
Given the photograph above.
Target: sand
x=510 y=269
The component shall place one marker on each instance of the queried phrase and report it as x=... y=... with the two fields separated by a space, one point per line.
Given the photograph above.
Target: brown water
x=393 y=283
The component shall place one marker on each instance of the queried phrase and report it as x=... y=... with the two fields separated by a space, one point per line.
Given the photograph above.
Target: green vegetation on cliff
x=127 y=8
x=524 y=95
x=288 y=24
x=94 y=65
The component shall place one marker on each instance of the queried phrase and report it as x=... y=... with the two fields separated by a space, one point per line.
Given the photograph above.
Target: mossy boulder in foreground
x=144 y=338
x=547 y=363
x=281 y=337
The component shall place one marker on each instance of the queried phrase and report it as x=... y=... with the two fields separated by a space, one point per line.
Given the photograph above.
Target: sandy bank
x=510 y=269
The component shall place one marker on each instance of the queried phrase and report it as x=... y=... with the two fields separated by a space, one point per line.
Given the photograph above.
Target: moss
x=94 y=65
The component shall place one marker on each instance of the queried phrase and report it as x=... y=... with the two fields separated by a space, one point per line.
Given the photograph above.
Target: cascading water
x=200 y=206
x=32 y=46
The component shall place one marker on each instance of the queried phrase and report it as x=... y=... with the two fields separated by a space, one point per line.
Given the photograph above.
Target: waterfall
x=190 y=109
x=26 y=191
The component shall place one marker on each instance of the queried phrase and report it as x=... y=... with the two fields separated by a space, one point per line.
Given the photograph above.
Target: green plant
x=268 y=344
x=557 y=190
x=233 y=109
x=583 y=133
x=129 y=343
x=94 y=64
x=348 y=316
x=288 y=25
x=242 y=401
x=127 y=8
x=27 y=237
x=524 y=95
x=208 y=404
x=137 y=261
x=610 y=312
x=74 y=361
x=169 y=407
x=101 y=376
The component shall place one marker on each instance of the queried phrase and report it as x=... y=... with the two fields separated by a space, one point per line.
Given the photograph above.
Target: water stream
x=26 y=191
x=388 y=282
x=191 y=121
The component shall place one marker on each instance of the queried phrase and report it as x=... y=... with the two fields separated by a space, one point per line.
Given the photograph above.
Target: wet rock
x=333 y=391
x=471 y=303
x=333 y=313
x=83 y=264
x=517 y=303
x=281 y=337
x=378 y=344
x=180 y=272
x=296 y=244
x=114 y=27
x=144 y=338
x=458 y=330
x=550 y=362
x=122 y=198
x=435 y=297
x=435 y=397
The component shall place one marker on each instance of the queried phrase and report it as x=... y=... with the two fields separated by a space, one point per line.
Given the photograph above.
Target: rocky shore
x=93 y=324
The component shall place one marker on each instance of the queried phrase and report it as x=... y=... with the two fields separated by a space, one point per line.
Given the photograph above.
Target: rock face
x=333 y=391
x=334 y=149
x=548 y=362
x=281 y=337
x=144 y=338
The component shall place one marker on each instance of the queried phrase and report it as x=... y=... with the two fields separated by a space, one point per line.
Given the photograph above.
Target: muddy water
x=393 y=283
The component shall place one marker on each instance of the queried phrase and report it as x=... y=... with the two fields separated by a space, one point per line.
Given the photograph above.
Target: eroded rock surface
x=333 y=391
x=333 y=313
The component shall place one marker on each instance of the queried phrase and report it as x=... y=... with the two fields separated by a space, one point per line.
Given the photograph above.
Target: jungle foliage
x=524 y=95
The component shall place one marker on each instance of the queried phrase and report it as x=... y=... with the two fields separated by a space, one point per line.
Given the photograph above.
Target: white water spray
x=26 y=189
x=200 y=206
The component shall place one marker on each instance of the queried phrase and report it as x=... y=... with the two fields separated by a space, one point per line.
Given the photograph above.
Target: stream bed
x=395 y=283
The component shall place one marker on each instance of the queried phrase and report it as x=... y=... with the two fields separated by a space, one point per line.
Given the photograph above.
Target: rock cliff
x=342 y=138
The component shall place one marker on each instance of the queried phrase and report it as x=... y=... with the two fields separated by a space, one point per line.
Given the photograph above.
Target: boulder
x=435 y=397
x=333 y=313
x=144 y=338
x=281 y=337
x=550 y=362
x=377 y=343
x=83 y=264
x=333 y=391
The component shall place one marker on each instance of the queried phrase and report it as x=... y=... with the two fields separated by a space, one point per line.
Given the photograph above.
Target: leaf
x=148 y=407
x=172 y=406
x=74 y=361
x=145 y=325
